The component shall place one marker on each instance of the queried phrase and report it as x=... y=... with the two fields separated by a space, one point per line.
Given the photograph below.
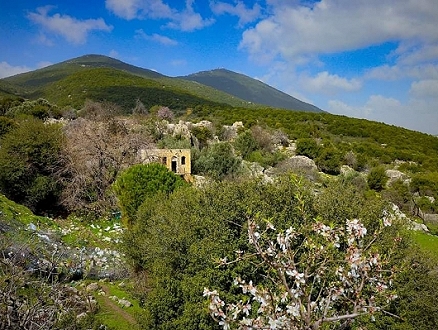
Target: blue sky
x=374 y=59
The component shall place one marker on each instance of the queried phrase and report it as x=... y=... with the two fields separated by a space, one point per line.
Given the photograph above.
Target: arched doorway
x=174 y=164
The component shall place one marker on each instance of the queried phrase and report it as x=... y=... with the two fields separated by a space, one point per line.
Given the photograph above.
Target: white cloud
x=133 y=9
x=185 y=20
x=246 y=15
x=425 y=89
x=156 y=38
x=326 y=83
x=7 y=70
x=395 y=72
x=43 y=64
x=188 y=19
x=114 y=53
x=44 y=40
x=294 y=31
x=73 y=30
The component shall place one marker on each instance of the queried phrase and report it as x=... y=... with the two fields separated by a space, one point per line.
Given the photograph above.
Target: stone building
x=176 y=160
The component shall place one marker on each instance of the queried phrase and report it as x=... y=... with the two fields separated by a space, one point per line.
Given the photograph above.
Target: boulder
x=346 y=170
x=92 y=287
x=394 y=175
x=124 y=303
x=298 y=164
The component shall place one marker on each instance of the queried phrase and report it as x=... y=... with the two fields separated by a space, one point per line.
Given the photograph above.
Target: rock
x=31 y=226
x=199 y=181
x=298 y=163
x=204 y=123
x=290 y=151
x=238 y=124
x=180 y=129
x=252 y=169
x=346 y=170
x=92 y=287
x=125 y=303
x=412 y=225
x=394 y=175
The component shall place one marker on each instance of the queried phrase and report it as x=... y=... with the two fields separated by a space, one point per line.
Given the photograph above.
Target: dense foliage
x=181 y=241
x=139 y=182
x=29 y=159
x=178 y=239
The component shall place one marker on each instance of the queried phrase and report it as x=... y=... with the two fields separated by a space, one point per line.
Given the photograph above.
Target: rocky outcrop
x=394 y=175
x=300 y=164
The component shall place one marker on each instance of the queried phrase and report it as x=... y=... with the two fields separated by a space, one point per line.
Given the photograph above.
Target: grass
x=113 y=316
x=12 y=211
x=76 y=232
x=427 y=243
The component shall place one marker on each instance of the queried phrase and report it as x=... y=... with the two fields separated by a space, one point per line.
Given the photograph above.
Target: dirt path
x=115 y=308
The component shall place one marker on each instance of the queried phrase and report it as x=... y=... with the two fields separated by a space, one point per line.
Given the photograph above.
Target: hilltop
x=101 y=78
x=249 y=89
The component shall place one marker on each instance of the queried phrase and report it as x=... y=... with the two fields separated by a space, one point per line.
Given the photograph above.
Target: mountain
x=42 y=77
x=249 y=89
x=100 y=77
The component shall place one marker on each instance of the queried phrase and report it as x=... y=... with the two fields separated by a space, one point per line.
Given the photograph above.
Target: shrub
x=217 y=161
x=377 y=178
x=29 y=158
x=329 y=161
x=140 y=181
x=202 y=134
x=308 y=148
x=245 y=144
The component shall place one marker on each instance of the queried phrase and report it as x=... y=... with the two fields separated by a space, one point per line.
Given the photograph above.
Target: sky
x=372 y=59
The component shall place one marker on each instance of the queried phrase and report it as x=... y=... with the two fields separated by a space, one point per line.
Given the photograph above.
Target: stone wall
x=176 y=160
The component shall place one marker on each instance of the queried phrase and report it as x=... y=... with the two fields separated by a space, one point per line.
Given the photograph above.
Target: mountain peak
x=249 y=89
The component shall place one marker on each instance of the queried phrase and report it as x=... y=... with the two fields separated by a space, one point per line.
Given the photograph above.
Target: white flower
x=246 y=308
x=293 y=310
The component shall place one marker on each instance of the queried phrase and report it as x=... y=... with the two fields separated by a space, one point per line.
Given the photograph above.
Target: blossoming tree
x=318 y=273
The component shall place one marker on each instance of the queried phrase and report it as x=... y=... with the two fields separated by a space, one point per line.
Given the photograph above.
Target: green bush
x=6 y=124
x=377 y=178
x=140 y=181
x=245 y=144
x=40 y=108
x=179 y=240
x=308 y=147
x=425 y=184
x=217 y=161
x=29 y=159
x=329 y=161
x=202 y=134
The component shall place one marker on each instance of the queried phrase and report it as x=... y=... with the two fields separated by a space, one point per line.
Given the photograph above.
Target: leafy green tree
x=29 y=158
x=188 y=241
x=329 y=161
x=377 y=178
x=7 y=103
x=245 y=144
x=140 y=181
x=308 y=147
x=217 y=161
x=202 y=134
x=6 y=124
x=177 y=240
x=40 y=108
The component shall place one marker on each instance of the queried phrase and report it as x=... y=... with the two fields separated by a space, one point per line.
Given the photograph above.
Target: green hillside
x=122 y=88
x=41 y=77
x=36 y=84
x=249 y=89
